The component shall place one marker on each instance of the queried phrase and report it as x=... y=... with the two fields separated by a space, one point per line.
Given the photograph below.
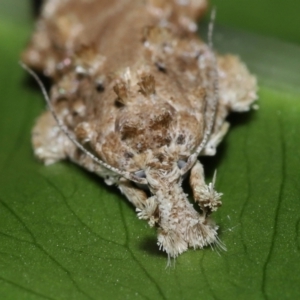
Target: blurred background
x=274 y=18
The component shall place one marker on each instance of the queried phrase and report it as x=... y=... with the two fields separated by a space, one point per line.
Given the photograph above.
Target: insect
x=136 y=98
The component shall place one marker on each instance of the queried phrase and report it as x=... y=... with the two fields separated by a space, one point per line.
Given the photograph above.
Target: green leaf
x=65 y=235
x=274 y=18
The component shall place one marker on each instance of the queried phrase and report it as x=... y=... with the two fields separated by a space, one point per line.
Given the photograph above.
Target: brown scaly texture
x=137 y=87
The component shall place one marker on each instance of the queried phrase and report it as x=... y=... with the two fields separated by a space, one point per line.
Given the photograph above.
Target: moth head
x=161 y=166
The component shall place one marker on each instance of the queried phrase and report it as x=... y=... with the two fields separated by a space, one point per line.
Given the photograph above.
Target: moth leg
x=205 y=195
x=215 y=139
x=147 y=208
x=49 y=143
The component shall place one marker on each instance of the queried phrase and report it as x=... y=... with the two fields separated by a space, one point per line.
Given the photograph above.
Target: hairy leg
x=205 y=195
x=145 y=207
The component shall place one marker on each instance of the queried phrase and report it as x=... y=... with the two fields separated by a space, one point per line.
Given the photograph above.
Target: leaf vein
x=82 y=223
x=26 y=289
x=40 y=247
x=277 y=209
x=158 y=288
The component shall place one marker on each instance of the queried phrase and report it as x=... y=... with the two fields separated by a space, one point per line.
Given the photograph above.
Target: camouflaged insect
x=137 y=98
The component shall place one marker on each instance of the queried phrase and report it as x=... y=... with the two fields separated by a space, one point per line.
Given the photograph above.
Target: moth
x=136 y=98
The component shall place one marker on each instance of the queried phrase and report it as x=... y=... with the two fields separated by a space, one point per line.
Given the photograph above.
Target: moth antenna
x=214 y=77
x=214 y=178
x=211 y=27
x=70 y=136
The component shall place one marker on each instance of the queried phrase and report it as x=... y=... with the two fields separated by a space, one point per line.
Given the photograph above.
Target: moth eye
x=99 y=84
x=99 y=87
x=161 y=67
x=140 y=174
x=80 y=71
x=181 y=163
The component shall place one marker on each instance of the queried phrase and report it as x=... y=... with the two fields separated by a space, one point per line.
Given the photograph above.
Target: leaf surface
x=65 y=235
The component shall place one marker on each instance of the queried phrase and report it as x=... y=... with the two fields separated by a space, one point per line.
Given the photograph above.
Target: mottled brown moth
x=136 y=98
